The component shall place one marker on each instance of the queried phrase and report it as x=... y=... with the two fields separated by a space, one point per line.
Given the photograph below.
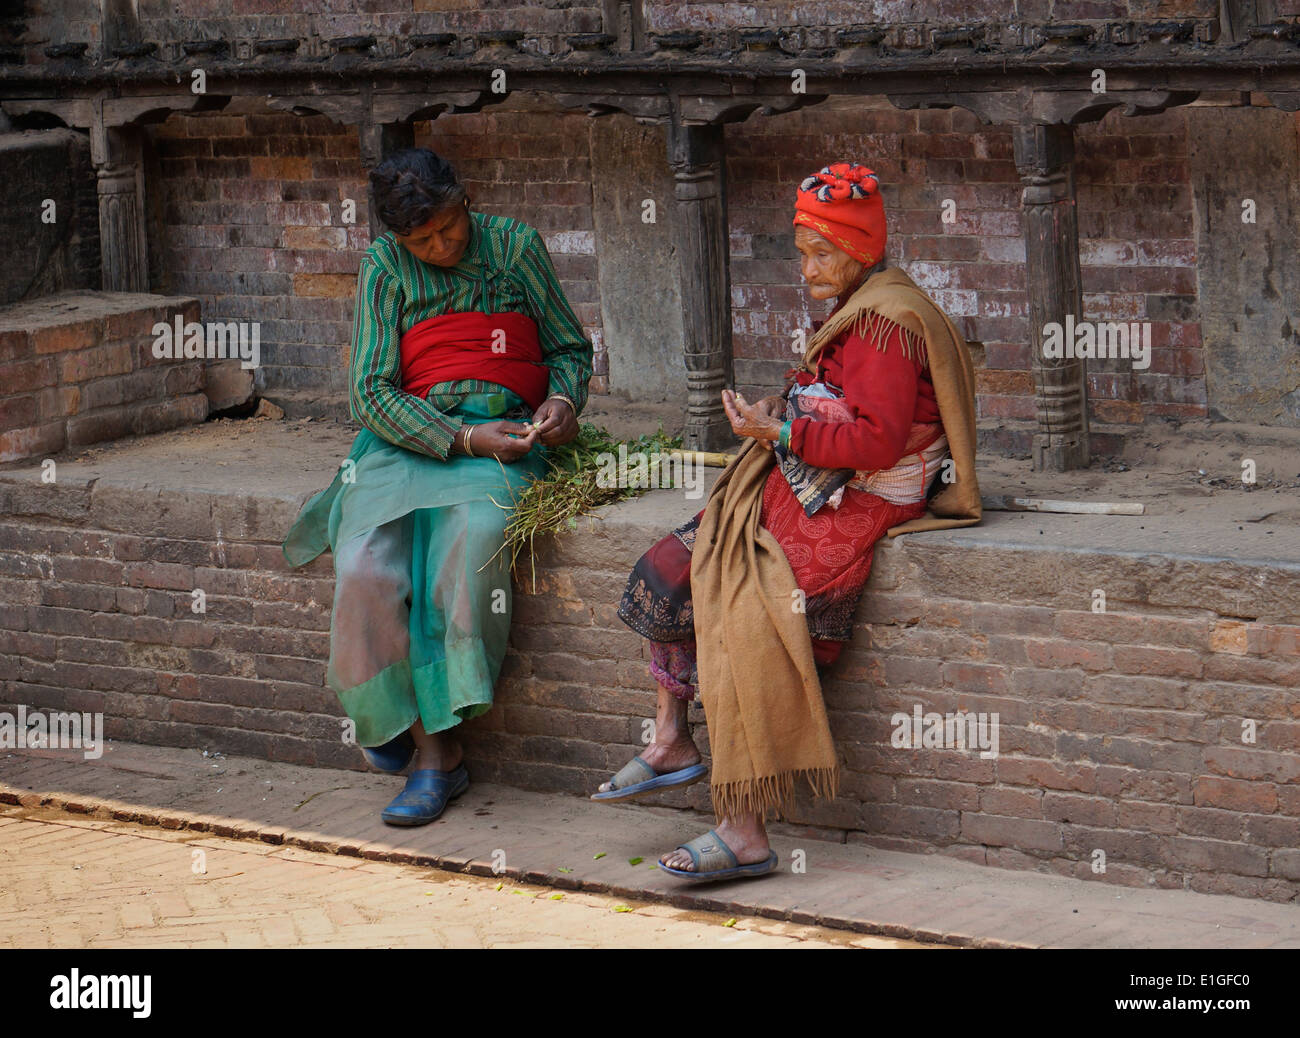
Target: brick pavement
x=68 y=881
x=573 y=845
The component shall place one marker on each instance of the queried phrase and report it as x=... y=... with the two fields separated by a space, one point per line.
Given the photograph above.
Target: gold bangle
x=469 y=432
x=560 y=396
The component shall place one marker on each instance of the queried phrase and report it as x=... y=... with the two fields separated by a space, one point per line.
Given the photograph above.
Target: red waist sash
x=501 y=348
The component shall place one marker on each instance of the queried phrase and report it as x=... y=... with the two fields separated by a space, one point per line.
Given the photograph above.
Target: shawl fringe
x=872 y=325
x=771 y=793
x=869 y=325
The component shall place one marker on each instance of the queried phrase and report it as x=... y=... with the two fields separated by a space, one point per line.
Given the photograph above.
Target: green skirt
x=393 y=508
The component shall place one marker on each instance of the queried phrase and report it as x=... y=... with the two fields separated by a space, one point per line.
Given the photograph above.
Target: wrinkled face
x=828 y=270
x=443 y=239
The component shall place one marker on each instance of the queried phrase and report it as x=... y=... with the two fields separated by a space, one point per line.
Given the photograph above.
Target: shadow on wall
x=1245 y=173
x=48 y=201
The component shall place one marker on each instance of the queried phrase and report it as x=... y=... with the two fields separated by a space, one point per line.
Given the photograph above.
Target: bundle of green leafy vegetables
x=571 y=486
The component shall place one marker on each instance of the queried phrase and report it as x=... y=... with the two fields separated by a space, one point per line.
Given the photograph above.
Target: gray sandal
x=714 y=860
x=636 y=778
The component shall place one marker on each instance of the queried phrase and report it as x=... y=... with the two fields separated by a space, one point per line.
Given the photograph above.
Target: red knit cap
x=842 y=203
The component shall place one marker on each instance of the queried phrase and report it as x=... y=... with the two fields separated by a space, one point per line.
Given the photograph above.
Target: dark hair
x=409 y=186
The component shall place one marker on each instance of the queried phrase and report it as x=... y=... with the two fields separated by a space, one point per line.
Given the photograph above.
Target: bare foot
x=438 y=751
x=744 y=835
x=672 y=748
x=665 y=757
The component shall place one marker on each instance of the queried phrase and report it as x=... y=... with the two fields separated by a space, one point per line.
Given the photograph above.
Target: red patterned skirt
x=830 y=553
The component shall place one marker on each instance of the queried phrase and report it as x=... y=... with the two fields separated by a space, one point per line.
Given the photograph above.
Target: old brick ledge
x=1121 y=732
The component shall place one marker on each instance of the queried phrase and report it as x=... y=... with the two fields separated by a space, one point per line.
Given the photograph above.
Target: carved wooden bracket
x=367 y=109
x=85 y=113
x=1076 y=107
x=639 y=106
x=345 y=109
x=401 y=108
x=1001 y=107
x=78 y=112
x=697 y=109
x=1048 y=107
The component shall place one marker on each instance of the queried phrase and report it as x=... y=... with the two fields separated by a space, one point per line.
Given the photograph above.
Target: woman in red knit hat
x=763 y=599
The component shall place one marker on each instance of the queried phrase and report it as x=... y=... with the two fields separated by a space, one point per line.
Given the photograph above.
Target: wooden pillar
x=123 y=248
x=1045 y=158
x=378 y=141
x=697 y=157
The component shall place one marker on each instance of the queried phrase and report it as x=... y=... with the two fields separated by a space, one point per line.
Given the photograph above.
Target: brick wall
x=78 y=368
x=1136 y=243
x=1120 y=732
x=535 y=165
x=253 y=222
x=253 y=225
x=101 y=618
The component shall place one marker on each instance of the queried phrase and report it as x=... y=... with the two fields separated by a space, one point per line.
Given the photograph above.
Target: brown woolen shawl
x=757 y=677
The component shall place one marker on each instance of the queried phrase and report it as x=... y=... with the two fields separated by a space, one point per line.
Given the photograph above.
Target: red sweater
x=887 y=392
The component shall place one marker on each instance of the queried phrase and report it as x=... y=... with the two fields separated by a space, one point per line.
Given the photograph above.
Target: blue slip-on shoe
x=426 y=795
x=393 y=755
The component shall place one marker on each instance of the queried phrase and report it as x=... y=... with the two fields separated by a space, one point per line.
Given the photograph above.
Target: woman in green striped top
x=467 y=361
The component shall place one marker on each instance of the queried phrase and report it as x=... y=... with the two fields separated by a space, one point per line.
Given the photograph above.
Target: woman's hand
x=556 y=423
x=752 y=420
x=772 y=407
x=495 y=440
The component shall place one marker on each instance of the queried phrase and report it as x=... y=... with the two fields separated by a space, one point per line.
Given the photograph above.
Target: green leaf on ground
x=635 y=861
x=597 y=857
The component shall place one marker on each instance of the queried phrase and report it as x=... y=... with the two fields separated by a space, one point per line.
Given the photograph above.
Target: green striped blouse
x=507 y=262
